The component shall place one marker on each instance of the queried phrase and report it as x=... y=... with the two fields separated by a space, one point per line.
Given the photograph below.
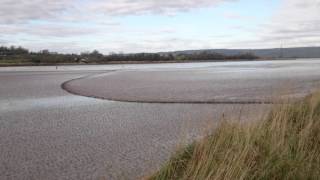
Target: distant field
x=14 y=61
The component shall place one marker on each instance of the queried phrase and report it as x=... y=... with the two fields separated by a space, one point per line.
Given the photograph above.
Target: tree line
x=22 y=55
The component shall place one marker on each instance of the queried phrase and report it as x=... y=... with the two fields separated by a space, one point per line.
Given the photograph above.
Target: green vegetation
x=285 y=145
x=19 y=56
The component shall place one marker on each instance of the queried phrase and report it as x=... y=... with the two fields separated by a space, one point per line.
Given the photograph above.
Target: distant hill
x=298 y=52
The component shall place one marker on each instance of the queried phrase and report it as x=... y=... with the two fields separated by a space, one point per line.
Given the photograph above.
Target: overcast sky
x=158 y=25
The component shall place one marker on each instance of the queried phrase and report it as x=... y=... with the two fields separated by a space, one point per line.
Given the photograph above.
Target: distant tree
x=45 y=51
x=96 y=54
x=20 y=54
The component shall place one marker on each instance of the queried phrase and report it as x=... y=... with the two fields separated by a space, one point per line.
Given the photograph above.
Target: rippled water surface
x=48 y=133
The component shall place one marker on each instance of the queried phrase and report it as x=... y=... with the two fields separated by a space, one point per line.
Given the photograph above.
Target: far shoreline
x=145 y=62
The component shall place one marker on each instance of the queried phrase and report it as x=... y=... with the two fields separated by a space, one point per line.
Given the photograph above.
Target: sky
x=130 y=26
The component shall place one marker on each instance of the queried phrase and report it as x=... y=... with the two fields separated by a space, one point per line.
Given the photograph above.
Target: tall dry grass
x=284 y=145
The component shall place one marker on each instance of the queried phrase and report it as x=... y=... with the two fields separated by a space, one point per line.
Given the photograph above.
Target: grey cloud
x=303 y=29
x=151 y=45
x=16 y=16
x=47 y=30
x=291 y=37
x=306 y=4
x=62 y=31
x=168 y=7
x=296 y=23
x=298 y=36
x=61 y=46
x=20 y=11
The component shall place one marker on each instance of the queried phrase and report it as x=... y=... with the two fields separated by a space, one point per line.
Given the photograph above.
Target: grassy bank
x=284 y=145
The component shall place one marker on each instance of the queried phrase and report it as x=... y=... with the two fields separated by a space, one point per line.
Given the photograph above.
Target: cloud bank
x=169 y=7
x=19 y=11
x=296 y=23
x=77 y=25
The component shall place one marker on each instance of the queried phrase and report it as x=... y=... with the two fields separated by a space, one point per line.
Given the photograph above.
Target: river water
x=48 y=133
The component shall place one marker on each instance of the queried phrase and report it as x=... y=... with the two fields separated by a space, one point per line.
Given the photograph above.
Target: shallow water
x=47 y=133
x=239 y=64
x=240 y=82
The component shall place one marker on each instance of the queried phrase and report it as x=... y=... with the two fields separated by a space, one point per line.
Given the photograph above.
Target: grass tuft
x=284 y=145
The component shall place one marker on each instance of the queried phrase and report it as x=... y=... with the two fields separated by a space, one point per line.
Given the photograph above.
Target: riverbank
x=140 y=62
x=118 y=62
x=284 y=145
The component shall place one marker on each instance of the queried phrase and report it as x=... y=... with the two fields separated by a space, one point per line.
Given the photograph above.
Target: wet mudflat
x=48 y=133
x=220 y=83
